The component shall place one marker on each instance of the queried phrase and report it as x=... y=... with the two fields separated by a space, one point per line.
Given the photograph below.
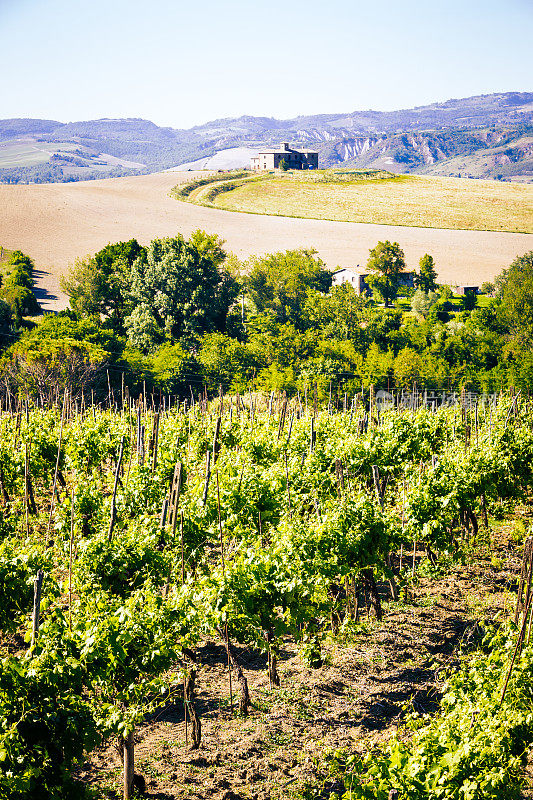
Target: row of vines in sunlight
x=129 y=534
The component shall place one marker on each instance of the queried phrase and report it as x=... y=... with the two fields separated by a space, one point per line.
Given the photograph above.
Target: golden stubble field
x=405 y=200
x=56 y=223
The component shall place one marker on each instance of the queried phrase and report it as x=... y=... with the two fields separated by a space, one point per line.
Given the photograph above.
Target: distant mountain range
x=485 y=136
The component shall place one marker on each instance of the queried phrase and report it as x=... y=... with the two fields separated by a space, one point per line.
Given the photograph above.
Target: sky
x=184 y=63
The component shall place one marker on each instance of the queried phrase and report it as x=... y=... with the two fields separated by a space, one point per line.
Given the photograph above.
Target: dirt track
x=55 y=223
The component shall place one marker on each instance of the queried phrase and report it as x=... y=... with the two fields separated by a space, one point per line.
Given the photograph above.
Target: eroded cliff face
x=417 y=152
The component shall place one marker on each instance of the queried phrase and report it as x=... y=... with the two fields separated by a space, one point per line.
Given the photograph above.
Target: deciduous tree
x=515 y=295
x=386 y=262
x=179 y=289
x=281 y=282
x=100 y=284
x=426 y=280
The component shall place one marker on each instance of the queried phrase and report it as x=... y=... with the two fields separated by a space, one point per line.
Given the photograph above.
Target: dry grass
x=455 y=203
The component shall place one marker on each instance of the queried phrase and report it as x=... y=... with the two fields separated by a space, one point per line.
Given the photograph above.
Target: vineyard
x=134 y=534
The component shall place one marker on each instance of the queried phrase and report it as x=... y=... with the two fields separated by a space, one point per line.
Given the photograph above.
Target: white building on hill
x=358 y=279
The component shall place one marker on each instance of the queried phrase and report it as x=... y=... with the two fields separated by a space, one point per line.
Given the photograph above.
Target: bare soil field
x=56 y=223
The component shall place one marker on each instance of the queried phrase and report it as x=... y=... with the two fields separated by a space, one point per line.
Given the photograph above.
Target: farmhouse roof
x=284 y=152
x=355 y=270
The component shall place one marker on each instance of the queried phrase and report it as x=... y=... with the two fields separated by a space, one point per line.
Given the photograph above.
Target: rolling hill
x=372 y=197
x=484 y=136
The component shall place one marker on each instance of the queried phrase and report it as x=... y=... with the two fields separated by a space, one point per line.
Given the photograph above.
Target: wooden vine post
x=339 y=475
x=37 y=592
x=216 y=443
x=380 y=492
x=207 y=476
x=312 y=438
x=152 y=447
x=115 y=487
x=174 y=499
x=31 y=508
x=72 y=499
x=4 y=495
x=524 y=583
x=196 y=725
x=128 y=754
x=226 y=634
x=182 y=551
x=523 y=605
x=273 y=676
x=54 y=486
x=288 y=484
x=371 y=403
x=244 y=694
x=370 y=584
x=244 y=699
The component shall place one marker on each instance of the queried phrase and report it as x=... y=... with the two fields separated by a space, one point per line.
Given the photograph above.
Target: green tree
x=386 y=262
x=225 y=361
x=5 y=315
x=378 y=365
x=283 y=345
x=17 y=290
x=173 y=368
x=281 y=282
x=100 y=284
x=423 y=302
x=60 y=353
x=407 y=367
x=383 y=326
x=21 y=301
x=515 y=295
x=469 y=301
x=20 y=269
x=179 y=289
x=426 y=280
x=340 y=314
x=334 y=363
x=445 y=291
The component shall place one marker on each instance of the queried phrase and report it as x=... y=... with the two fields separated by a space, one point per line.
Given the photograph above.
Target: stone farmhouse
x=358 y=280
x=294 y=159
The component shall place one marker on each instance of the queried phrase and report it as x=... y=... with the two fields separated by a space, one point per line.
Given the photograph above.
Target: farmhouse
x=348 y=275
x=294 y=159
x=358 y=279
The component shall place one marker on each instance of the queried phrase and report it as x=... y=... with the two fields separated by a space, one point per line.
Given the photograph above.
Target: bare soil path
x=56 y=223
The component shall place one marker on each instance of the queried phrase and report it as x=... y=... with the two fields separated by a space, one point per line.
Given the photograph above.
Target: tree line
x=180 y=315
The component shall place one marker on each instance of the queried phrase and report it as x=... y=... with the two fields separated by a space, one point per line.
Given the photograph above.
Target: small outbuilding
x=462 y=290
x=358 y=279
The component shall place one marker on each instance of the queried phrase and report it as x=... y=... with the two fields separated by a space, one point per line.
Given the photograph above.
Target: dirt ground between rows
x=59 y=222
x=356 y=699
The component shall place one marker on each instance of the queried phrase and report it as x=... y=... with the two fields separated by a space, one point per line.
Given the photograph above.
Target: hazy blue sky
x=182 y=63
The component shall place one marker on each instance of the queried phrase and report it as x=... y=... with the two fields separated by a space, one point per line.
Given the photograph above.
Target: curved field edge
x=447 y=204
x=201 y=191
